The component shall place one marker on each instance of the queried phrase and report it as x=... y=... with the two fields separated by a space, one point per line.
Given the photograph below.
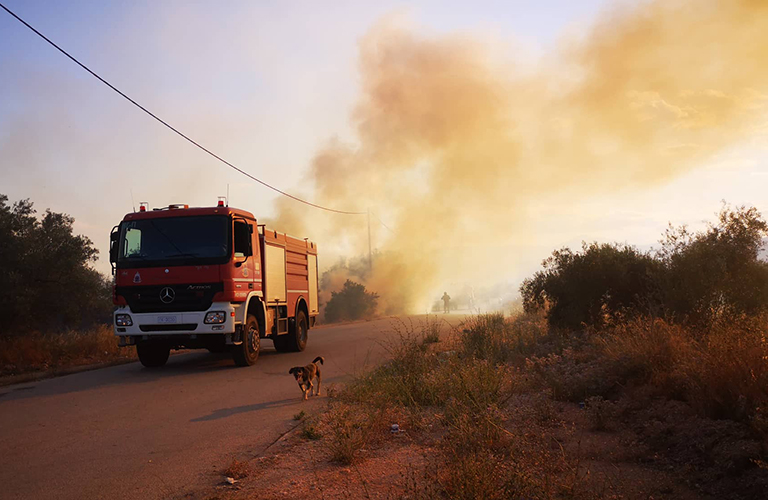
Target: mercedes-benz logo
x=167 y=295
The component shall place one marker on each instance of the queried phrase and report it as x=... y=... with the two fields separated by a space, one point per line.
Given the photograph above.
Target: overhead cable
x=222 y=160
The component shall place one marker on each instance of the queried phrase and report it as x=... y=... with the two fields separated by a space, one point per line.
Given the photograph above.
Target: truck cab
x=211 y=278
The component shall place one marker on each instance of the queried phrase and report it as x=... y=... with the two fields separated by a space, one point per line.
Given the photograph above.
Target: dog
x=305 y=376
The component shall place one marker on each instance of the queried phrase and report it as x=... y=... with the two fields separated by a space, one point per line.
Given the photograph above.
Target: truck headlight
x=215 y=318
x=123 y=320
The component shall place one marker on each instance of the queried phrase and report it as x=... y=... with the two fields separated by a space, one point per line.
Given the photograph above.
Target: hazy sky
x=267 y=84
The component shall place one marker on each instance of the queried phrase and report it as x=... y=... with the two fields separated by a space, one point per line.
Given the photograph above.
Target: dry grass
x=468 y=385
x=311 y=432
x=722 y=372
x=351 y=427
x=600 y=412
x=43 y=352
x=478 y=377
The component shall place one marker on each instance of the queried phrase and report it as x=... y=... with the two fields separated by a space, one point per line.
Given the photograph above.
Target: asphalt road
x=128 y=432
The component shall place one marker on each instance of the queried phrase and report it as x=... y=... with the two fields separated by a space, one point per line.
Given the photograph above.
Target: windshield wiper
x=182 y=255
x=135 y=256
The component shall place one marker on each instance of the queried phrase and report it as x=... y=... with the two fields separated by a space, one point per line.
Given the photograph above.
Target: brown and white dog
x=305 y=376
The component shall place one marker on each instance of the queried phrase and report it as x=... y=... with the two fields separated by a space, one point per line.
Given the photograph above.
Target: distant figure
x=447 y=301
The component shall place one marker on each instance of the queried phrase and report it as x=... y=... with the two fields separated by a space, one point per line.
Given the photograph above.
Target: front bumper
x=179 y=323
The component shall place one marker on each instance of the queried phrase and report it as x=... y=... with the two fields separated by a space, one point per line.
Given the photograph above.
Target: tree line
x=695 y=277
x=47 y=279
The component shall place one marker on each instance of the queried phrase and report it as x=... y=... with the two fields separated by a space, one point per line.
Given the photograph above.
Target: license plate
x=167 y=319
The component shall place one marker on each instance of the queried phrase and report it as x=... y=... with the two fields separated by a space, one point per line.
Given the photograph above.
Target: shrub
x=351 y=303
x=717 y=273
x=52 y=351
x=588 y=287
x=695 y=278
x=486 y=337
x=407 y=379
x=600 y=412
x=351 y=427
x=37 y=254
x=574 y=374
x=493 y=338
x=722 y=372
x=311 y=432
x=431 y=332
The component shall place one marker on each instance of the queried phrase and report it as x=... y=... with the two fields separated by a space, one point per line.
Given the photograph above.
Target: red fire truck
x=210 y=278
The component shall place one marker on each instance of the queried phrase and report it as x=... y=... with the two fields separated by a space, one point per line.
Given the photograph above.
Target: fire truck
x=210 y=278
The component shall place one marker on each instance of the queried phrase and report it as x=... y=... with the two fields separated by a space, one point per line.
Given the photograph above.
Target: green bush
x=696 y=278
x=587 y=287
x=717 y=273
x=351 y=303
x=39 y=255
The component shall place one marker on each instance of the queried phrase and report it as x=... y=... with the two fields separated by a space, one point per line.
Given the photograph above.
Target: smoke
x=455 y=142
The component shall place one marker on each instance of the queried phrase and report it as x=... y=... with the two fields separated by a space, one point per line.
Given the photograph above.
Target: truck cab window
x=242 y=240
x=132 y=242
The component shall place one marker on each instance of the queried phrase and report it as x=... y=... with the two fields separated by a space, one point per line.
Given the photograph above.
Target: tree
x=695 y=278
x=716 y=273
x=588 y=287
x=352 y=302
x=47 y=281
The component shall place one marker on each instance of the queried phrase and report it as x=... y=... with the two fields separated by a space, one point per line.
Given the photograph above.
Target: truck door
x=246 y=255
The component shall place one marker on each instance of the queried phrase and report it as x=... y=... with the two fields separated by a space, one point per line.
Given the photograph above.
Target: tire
x=296 y=338
x=152 y=355
x=247 y=352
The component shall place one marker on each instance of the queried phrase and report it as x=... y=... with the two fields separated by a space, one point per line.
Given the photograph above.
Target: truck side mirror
x=113 y=246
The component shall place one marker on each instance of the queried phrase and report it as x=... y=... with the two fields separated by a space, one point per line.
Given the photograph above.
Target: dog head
x=297 y=372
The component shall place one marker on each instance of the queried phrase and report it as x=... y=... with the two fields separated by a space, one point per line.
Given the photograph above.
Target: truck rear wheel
x=247 y=352
x=152 y=354
x=296 y=338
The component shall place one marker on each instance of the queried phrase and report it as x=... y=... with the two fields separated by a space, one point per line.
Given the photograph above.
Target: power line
x=382 y=223
x=222 y=160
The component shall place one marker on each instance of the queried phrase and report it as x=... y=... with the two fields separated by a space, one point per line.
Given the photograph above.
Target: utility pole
x=370 y=254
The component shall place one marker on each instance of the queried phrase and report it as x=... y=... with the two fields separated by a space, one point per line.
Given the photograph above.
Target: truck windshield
x=174 y=241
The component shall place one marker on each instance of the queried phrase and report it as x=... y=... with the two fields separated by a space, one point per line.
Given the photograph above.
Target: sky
x=267 y=85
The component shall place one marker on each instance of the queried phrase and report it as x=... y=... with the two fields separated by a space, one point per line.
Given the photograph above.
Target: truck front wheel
x=247 y=352
x=152 y=354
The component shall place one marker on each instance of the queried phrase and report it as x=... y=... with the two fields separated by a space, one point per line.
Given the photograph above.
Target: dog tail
x=320 y=359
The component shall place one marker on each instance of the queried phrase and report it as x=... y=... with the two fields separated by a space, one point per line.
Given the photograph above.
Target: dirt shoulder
x=35 y=356
x=35 y=376
x=461 y=414
x=411 y=463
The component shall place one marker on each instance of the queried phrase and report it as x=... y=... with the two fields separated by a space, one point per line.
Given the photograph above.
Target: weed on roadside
x=237 y=469
x=311 y=432
x=431 y=331
x=39 y=352
x=351 y=428
x=600 y=412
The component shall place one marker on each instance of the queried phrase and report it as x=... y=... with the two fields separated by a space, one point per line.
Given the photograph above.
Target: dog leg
x=318 y=384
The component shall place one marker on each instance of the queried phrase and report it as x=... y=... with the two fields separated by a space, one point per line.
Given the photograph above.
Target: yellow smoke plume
x=454 y=142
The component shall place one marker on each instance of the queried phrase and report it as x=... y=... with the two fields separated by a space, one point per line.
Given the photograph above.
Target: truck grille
x=170 y=298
